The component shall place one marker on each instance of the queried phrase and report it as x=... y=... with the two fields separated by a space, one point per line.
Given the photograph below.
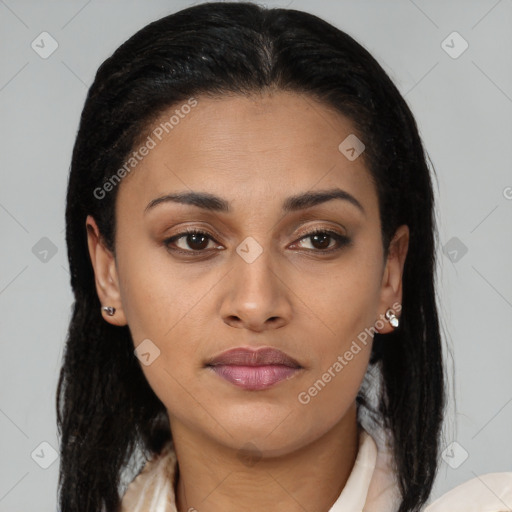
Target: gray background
x=463 y=107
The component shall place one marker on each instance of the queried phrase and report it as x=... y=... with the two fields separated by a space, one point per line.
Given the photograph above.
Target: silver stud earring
x=392 y=318
x=109 y=310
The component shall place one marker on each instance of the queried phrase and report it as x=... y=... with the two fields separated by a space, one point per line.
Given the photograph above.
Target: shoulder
x=491 y=492
x=152 y=489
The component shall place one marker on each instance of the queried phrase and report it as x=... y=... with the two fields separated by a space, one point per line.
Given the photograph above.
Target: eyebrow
x=298 y=202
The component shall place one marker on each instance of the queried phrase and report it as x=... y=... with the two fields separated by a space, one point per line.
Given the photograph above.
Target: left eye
x=320 y=236
x=198 y=241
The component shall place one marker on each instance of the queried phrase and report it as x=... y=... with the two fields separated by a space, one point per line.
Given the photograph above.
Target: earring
x=109 y=310
x=392 y=318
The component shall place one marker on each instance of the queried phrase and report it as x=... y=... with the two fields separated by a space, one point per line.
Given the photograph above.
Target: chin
x=275 y=434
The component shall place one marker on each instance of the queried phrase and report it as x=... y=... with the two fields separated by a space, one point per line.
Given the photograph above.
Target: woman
x=251 y=239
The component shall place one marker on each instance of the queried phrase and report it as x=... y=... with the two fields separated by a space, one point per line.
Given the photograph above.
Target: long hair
x=106 y=410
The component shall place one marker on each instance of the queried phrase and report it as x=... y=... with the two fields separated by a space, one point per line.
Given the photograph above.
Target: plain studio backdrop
x=450 y=60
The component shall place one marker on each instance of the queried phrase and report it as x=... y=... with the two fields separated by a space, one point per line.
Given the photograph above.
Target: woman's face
x=257 y=276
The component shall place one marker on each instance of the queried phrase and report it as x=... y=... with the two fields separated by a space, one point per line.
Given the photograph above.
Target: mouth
x=254 y=369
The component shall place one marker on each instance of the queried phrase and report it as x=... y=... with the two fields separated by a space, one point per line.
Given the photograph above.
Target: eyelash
x=342 y=240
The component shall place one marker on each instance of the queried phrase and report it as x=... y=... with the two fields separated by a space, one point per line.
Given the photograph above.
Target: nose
x=256 y=296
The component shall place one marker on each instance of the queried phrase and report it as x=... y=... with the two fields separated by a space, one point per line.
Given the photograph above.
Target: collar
x=370 y=484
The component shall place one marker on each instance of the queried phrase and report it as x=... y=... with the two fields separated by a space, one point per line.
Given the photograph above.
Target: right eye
x=196 y=240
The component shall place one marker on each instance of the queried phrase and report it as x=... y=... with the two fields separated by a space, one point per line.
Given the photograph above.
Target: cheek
x=347 y=304
x=341 y=357
x=162 y=303
x=347 y=300
x=156 y=294
x=159 y=308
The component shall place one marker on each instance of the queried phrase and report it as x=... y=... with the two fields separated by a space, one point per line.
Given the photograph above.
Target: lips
x=254 y=370
x=251 y=357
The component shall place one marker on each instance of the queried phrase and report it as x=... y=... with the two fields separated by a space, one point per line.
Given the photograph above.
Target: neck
x=215 y=478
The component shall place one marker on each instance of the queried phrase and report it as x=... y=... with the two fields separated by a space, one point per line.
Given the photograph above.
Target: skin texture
x=254 y=152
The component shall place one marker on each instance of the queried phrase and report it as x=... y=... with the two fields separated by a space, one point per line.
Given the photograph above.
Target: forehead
x=248 y=148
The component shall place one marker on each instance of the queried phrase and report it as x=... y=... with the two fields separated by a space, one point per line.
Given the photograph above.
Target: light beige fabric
x=371 y=486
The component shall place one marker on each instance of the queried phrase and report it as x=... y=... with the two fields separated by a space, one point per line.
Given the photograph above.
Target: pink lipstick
x=254 y=369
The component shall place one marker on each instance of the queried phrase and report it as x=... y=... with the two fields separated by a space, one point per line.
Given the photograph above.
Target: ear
x=105 y=272
x=391 y=286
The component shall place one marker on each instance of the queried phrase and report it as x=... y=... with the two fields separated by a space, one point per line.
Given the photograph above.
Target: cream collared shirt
x=371 y=487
